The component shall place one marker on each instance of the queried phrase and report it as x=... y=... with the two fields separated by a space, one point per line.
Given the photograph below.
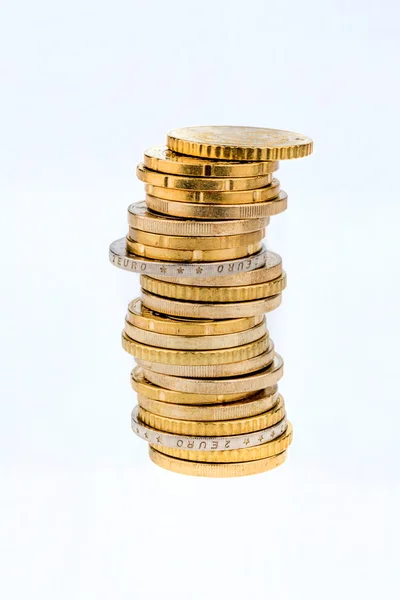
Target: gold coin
x=271 y=270
x=191 y=293
x=187 y=210
x=145 y=388
x=239 y=143
x=140 y=316
x=217 y=412
x=264 y=450
x=195 y=342
x=193 y=310
x=222 y=184
x=160 y=158
x=241 y=197
x=214 y=428
x=198 y=469
x=265 y=378
x=167 y=356
x=207 y=371
x=175 y=242
x=191 y=255
x=141 y=218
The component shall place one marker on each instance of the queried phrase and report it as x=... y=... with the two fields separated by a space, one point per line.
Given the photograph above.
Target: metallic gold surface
x=265 y=450
x=192 y=255
x=223 y=184
x=239 y=143
x=198 y=469
x=195 y=357
x=215 y=428
x=141 y=218
x=140 y=316
x=194 y=243
x=160 y=158
x=195 y=342
x=196 y=310
x=213 y=294
x=229 y=212
x=208 y=197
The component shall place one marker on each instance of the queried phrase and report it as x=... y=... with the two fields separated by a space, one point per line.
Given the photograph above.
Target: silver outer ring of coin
x=189 y=227
x=265 y=378
x=120 y=258
x=156 y=437
x=243 y=367
x=195 y=342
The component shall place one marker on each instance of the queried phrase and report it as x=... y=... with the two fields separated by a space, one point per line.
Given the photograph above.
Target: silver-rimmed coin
x=120 y=258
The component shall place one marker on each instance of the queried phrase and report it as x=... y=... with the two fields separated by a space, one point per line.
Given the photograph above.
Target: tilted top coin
x=160 y=158
x=239 y=143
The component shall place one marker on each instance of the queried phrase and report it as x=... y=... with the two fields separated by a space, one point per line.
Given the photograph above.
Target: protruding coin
x=199 y=469
x=141 y=218
x=222 y=184
x=160 y=158
x=209 y=197
x=239 y=143
x=186 y=243
x=197 y=256
x=190 y=210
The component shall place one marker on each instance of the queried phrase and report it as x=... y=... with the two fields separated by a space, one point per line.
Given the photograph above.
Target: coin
x=265 y=450
x=217 y=412
x=198 y=469
x=271 y=270
x=140 y=316
x=145 y=388
x=169 y=254
x=207 y=443
x=190 y=293
x=179 y=182
x=265 y=378
x=195 y=342
x=197 y=310
x=141 y=218
x=214 y=428
x=160 y=158
x=208 y=197
x=205 y=371
x=187 y=210
x=239 y=143
x=194 y=243
x=120 y=258
x=168 y=356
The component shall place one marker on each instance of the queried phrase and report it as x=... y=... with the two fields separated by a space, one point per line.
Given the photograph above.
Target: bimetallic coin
x=214 y=428
x=122 y=259
x=195 y=342
x=197 y=310
x=141 y=218
x=241 y=293
x=239 y=143
x=140 y=316
x=179 y=182
x=265 y=450
x=216 y=412
x=160 y=158
x=187 y=210
x=271 y=270
x=207 y=443
x=205 y=371
x=169 y=254
x=199 y=469
x=174 y=242
x=195 y=357
x=144 y=387
x=239 y=197
x=264 y=378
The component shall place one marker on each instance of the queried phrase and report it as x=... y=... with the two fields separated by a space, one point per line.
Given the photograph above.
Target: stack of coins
x=207 y=374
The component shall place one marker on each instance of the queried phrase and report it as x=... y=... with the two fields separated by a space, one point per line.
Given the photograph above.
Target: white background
x=85 y=87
